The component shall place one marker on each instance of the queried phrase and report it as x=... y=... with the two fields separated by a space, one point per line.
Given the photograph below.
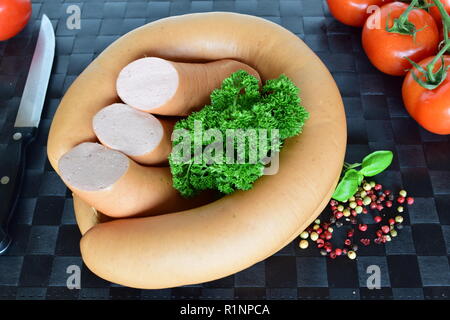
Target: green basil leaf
x=348 y=185
x=376 y=163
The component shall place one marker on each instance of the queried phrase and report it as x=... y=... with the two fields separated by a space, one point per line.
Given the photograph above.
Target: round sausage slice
x=138 y=134
x=117 y=186
x=173 y=88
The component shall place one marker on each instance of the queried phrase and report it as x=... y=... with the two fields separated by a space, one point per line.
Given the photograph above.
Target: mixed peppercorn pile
x=369 y=199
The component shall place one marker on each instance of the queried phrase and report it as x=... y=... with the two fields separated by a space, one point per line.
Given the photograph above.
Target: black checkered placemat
x=46 y=239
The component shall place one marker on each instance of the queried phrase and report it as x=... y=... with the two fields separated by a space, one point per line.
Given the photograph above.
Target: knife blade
x=12 y=158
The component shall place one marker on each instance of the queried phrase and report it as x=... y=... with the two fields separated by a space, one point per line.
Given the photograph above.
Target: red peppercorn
x=333 y=255
x=325 y=226
x=365 y=241
x=377 y=240
x=309 y=229
x=379 y=233
x=359 y=202
x=333 y=203
x=373 y=197
x=338 y=251
x=320 y=243
x=344 y=251
x=378 y=187
x=348 y=242
x=401 y=199
x=328 y=249
x=380 y=207
x=365 y=211
x=350 y=233
x=410 y=200
x=333 y=208
x=353 y=213
x=362 y=227
x=373 y=206
x=391 y=221
x=322 y=236
x=381 y=198
x=377 y=219
x=339 y=215
x=387 y=192
x=328 y=235
x=388 y=203
x=385 y=229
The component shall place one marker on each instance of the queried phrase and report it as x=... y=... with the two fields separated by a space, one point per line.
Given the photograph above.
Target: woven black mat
x=46 y=239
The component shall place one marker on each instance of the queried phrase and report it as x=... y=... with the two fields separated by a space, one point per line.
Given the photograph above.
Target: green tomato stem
x=445 y=18
x=402 y=25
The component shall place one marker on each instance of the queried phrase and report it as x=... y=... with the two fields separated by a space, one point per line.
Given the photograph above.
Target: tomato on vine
x=403 y=32
x=353 y=12
x=426 y=88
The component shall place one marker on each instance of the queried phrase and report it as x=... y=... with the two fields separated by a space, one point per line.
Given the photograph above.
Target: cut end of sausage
x=92 y=167
x=147 y=83
x=128 y=130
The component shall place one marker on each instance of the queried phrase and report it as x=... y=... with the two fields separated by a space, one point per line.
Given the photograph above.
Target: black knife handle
x=12 y=168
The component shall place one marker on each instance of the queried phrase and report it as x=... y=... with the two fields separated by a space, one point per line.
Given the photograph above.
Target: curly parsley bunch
x=239 y=105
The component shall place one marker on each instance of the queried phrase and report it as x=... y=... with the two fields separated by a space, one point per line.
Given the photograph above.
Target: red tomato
x=14 y=15
x=430 y=108
x=353 y=12
x=434 y=11
x=387 y=50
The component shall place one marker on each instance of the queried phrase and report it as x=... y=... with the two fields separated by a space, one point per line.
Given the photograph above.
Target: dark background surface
x=46 y=239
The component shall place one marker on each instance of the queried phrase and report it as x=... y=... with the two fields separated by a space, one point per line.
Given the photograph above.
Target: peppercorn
x=367 y=201
x=358 y=209
x=400 y=209
x=381 y=198
x=385 y=229
x=350 y=233
x=333 y=202
x=314 y=236
x=400 y=199
x=377 y=240
x=352 y=199
x=359 y=202
x=304 y=235
x=380 y=207
x=388 y=203
x=328 y=235
x=373 y=206
x=304 y=244
x=391 y=221
x=387 y=192
x=365 y=241
x=323 y=252
x=378 y=187
x=372 y=183
x=410 y=200
x=348 y=242
x=346 y=212
x=319 y=230
x=353 y=220
x=362 y=227
x=330 y=229
x=363 y=194
x=391 y=197
x=353 y=213
x=333 y=255
x=339 y=215
x=377 y=219
x=338 y=251
x=402 y=193
x=333 y=220
x=387 y=238
x=320 y=243
x=367 y=186
x=322 y=236
x=365 y=211
x=340 y=207
x=400 y=227
x=355 y=247
x=352 y=205
x=316 y=227
x=399 y=219
x=379 y=233
x=339 y=224
x=351 y=255
x=393 y=233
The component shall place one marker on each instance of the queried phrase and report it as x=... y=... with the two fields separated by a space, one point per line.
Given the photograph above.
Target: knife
x=12 y=158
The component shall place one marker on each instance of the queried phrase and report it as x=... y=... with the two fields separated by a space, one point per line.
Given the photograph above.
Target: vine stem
x=402 y=25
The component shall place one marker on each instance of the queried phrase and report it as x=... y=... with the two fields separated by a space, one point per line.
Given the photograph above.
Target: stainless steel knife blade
x=33 y=96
